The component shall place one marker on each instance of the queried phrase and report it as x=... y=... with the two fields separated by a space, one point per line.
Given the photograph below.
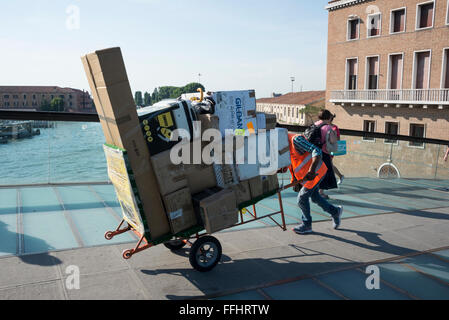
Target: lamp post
x=199 y=77
x=292 y=80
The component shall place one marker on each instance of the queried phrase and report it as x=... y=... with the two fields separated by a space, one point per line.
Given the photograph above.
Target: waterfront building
x=32 y=98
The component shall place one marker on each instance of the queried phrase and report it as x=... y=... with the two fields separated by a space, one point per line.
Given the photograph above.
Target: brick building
x=388 y=66
x=288 y=107
x=32 y=97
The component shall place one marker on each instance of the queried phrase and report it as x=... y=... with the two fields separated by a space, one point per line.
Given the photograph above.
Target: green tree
x=138 y=98
x=192 y=87
x=147 y=99
x=155 y=96
x=170 y=92
x=311 y=113
x=57 y=104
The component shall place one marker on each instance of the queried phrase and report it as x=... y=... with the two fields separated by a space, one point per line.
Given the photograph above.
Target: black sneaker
x=303 y=229
x=337 y=217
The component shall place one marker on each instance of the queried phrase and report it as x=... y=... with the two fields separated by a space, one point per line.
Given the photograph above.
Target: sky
x=234 y=45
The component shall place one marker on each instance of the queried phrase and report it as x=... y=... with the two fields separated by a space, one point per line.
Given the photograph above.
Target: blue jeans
x=304 y=204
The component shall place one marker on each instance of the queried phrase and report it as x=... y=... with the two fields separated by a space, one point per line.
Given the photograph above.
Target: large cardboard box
x=262 y=185
x=115 y=106
x=242 y=192
x=180 y=211
x=236 y=110
x=171 y=177
x=226 y=172
x=219 y=211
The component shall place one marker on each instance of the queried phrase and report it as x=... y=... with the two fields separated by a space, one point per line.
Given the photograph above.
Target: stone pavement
x=253 y=260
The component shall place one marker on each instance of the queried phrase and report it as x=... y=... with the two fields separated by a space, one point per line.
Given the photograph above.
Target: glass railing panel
x=62 y=152
x=76 y=153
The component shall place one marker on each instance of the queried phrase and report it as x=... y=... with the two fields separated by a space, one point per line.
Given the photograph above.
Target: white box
x=236 y=110
x=274 y=160
x=246 y=158
x=254 y=157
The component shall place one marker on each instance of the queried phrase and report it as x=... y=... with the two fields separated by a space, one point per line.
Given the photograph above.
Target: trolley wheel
x=127 y=254
x=205 y=253
x=108 y=235
x=175 y=244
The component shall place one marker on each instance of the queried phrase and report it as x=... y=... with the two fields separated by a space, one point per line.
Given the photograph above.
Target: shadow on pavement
x=41 y=259
x=249 y=273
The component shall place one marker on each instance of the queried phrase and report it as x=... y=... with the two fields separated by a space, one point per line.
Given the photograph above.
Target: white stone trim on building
x=343 y=3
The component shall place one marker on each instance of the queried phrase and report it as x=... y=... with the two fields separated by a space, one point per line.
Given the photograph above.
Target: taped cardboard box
x=171 y=177
x=262 y=185
x=115 y=106
x=242 y=192
x=219 y=211
x=226 y=172
x=180 y=211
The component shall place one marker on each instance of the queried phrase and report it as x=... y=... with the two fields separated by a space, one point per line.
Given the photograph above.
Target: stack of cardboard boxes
x=176 y=197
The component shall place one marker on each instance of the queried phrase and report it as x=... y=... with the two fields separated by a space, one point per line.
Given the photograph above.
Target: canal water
x=70 y=152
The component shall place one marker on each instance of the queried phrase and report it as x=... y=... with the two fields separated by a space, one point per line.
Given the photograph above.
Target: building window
x=421 y=70
x=416 y=130
x=15 y=96
x=374 y=25
x=351 y=71
x=34 y=97
x=353 y=29
x=391 y=128
x=397 y=20
x=424 y=15
x=6 y=96
x=372 y=66
x=445 y=80
x=61 y=96
x=369 y=126
x=395 y=70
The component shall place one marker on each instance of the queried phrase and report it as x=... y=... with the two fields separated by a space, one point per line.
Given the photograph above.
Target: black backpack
x=313 y=134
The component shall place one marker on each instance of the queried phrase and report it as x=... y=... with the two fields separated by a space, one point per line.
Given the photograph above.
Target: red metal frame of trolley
x=184 y=238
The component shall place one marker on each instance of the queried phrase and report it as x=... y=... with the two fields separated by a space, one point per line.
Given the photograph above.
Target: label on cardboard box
x=235 y=110
x=119 y=176
x=175 y=214
x=180 y=210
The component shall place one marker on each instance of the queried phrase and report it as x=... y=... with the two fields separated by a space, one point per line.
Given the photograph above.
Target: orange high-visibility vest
x=301 y=164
